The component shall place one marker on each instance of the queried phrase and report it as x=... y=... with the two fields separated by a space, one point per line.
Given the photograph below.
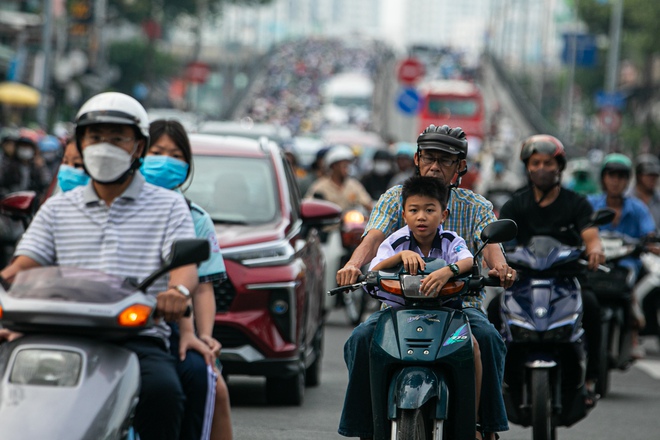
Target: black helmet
x=444 y=138
x=544 y=144
x=647 y=164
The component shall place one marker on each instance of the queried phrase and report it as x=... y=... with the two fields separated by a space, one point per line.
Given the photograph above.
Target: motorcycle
x=340 y=248
x=16 y=212
x=647 y=292
x=614 y=290
x=421 y=358
x=541 y=314
x=65 y=378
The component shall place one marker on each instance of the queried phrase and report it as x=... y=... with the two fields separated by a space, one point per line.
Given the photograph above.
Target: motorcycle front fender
x=412 y=387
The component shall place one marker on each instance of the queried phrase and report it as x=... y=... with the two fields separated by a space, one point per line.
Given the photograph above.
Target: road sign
x=614 y=99
x=410 y=71
x=610 y=119
x=408 y=101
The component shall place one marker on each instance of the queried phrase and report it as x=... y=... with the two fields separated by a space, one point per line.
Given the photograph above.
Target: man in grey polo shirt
x=121 y=225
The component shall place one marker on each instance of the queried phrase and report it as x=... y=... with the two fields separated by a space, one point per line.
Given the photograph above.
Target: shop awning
x=18 y=94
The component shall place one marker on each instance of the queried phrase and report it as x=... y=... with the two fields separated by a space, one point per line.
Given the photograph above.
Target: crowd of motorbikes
x=417 y=350
x=422 y=352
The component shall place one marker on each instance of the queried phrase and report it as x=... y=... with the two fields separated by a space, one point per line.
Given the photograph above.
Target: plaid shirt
x=469 y=213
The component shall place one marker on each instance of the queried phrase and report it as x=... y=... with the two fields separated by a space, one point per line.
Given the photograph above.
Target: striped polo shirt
x=446 y=245
x=469 y=214
x=130 y=238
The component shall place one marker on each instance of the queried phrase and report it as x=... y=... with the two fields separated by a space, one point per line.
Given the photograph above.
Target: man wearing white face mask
x=125 y=227
x=25 y=169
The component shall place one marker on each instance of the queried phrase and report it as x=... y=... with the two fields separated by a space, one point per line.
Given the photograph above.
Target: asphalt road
x=630 y=412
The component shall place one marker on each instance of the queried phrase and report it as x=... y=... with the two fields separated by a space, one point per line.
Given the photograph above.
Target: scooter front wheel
x=542 y=428
x=411 y=425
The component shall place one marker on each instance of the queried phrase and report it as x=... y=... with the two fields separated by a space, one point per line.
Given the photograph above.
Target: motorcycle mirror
x=602 y=217
x=499 y=231
x=184 y=252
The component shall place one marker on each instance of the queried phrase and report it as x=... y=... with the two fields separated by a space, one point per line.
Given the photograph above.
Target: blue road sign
x=408 y=101
x=615 y=99
x=585 y=49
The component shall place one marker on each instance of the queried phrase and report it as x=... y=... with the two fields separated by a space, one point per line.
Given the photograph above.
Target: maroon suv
x=270 y=310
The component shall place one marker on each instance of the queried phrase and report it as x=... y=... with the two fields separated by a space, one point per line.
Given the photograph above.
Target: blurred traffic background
x=585 y=71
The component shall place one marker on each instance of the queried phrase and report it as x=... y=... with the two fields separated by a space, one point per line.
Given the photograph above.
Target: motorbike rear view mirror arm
x=498 y=231
x=184 y=252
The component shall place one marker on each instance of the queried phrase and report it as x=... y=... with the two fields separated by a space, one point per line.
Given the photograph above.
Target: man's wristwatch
x=182 y=290
x=454 y=269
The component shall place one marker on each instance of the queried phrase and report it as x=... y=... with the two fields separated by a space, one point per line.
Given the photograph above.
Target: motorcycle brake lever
x=600 y=266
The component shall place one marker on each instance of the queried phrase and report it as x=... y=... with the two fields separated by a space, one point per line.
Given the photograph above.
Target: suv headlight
x=270 y=254
x=57 y=368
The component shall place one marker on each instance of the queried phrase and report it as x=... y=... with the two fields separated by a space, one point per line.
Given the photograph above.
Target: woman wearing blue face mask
x=167 y=164
x=71 y=172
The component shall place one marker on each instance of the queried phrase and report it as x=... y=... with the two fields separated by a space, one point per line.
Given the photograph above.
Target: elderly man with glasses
x=441 y=153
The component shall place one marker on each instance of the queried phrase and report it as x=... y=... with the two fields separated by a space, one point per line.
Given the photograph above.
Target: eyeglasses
x=445 y=162
x=114 y=140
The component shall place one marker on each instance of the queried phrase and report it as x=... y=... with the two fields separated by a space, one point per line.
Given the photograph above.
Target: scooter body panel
x=542 y=327
x=101 y=402
x=422 y=355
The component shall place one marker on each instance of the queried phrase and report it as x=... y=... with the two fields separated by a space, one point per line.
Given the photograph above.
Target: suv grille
x=230 y=337
x=225 y=293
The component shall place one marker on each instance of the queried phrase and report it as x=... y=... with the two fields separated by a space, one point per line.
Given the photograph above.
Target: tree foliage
x=136 y=59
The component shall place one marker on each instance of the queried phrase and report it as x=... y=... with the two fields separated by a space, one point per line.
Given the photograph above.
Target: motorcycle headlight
x=57 y=368
x=561 y=330
x=558 y=334
x=522 y=331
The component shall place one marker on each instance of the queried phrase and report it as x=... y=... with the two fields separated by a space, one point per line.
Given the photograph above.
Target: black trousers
x=160 y=410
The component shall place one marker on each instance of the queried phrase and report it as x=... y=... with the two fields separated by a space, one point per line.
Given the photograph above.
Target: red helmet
x=544 y=144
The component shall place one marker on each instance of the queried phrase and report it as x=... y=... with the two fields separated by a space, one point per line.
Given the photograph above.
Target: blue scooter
x=421 y=358
x=544 y=380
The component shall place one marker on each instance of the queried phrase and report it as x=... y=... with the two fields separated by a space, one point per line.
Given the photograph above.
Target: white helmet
x=337 y=154
x=113 y=108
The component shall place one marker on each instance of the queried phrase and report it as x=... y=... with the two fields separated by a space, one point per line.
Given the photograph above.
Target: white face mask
x=381 y=167
x=25 y=153
x=105 y=162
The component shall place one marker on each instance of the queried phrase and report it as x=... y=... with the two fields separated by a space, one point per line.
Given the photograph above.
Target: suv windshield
x=240 y=190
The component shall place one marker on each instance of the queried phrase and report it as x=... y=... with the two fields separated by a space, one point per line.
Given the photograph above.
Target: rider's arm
x=411 y=260
x=204 y=307
x=363 y=254
x=594 y=249
x=20 y=263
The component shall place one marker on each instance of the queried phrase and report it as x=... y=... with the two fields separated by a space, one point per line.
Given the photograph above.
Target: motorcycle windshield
x=70 y=284
x=542 y=253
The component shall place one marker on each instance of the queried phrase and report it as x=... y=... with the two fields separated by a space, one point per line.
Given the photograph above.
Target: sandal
x=485 y=435
x=591 y=398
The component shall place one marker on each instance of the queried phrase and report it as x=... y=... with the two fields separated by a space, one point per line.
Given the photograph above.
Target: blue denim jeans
x=356 y=417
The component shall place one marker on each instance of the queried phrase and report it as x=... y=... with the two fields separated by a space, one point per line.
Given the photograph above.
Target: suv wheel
x=313 y=372
x=286 y=390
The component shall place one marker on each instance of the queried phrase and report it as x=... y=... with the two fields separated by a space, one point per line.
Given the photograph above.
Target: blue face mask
x=70 y=177
x=164 y=171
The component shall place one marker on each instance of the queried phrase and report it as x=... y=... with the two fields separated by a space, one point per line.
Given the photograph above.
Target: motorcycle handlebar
x=600 y=266
x=341 y=289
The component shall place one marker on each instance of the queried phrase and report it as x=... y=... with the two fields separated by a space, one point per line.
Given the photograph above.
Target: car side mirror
x=318 y=213
x=183 y=253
